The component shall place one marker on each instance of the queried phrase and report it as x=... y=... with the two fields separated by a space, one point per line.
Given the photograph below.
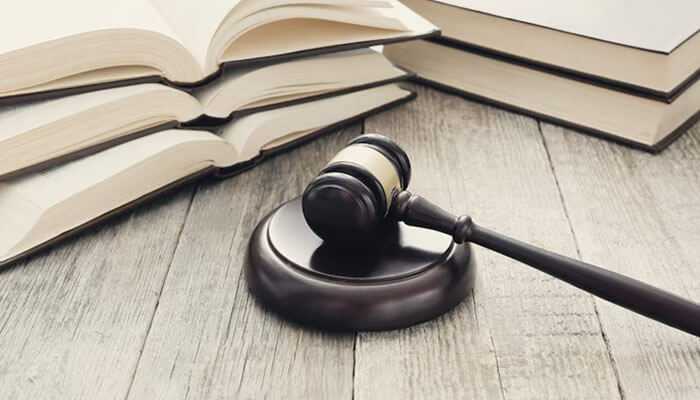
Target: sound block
x=408 y=275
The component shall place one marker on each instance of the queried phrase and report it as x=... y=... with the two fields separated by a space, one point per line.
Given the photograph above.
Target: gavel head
x=345 y=204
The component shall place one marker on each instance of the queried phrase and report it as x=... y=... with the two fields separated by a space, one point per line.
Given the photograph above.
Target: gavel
x=365 y=186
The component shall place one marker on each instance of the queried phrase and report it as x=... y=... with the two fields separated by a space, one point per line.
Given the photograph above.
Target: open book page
x=42 y=206
x=64 y=181
x=42 y=42
x=302 y=27
x=195 y=22
x=253 y=133
x=42 y=133
x=207 y=31
x=16 y=120
x=99 y=76
x=246 y=8
x=341 y=12
x=647 y=24
x=277 y=83
x=39 y=208
x=30 y=22
x=48 y=131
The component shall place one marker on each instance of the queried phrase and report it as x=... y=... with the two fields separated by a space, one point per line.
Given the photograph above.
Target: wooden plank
x=638 y=214
x=73 y=320
x=209 y=339
x=523 y=335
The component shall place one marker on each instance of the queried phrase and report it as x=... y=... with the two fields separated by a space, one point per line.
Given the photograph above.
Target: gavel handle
x=624 y=291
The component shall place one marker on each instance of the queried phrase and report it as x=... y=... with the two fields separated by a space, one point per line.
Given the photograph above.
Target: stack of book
x=626 y=71
x=104 y=104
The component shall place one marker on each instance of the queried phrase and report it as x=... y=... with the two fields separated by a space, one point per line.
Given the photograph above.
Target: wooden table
x=154 y=306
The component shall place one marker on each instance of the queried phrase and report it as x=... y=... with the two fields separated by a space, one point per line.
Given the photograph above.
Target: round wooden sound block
x=409 y=275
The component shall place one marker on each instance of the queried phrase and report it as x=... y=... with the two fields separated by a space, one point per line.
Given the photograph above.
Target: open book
x=41 y=208
x=647 y=47
x=35 y=135
x=641 y=122
x=47 y=46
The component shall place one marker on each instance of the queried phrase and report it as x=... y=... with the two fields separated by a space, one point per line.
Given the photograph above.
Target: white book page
x=27 y=23
x=198 y=23
x=195 y=21
x=18 y=119
x=42 y=206
x=654 y=25
x=52 y=186
x=249 y=135
x=239 y=89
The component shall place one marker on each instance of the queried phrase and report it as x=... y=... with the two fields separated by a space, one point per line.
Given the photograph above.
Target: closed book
x=633 y=120
x=645 y=47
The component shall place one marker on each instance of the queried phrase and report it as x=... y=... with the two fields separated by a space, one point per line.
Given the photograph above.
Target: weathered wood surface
x=639 y=215
x=74 y=320
x=525 y=335
x=154 y=306
x=209 y=340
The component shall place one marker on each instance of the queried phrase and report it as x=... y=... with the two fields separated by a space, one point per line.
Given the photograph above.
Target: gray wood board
x=638 y=214
x=209 y=339
x=154 y=306
x=524 y=335
x=73 y=320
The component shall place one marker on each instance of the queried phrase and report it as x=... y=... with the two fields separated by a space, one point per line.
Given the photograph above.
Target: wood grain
x=153 y=305
x=525 y=336
x=73 y=320
x=209 y=339
x=638 y=214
